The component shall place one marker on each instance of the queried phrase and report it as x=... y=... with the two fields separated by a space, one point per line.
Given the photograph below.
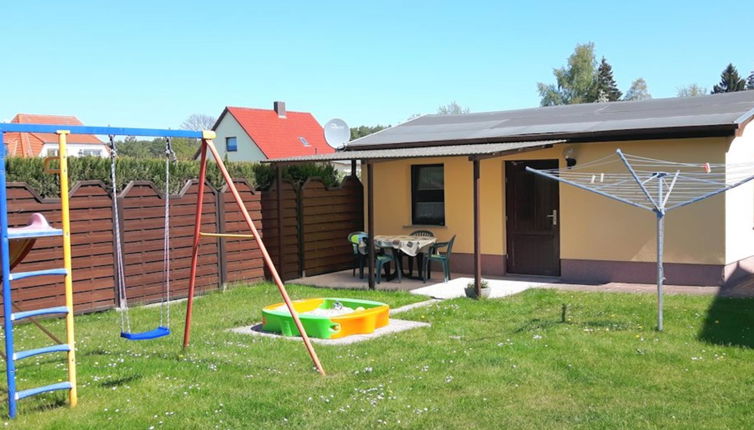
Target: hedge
x=31 y=171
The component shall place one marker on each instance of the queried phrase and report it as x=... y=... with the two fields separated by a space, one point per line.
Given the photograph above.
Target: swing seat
x=146 y=335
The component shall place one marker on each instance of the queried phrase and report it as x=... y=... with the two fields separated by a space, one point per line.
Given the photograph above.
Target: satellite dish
x=337 y=133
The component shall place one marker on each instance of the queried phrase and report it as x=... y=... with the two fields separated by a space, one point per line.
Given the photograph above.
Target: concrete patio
x=504 y=286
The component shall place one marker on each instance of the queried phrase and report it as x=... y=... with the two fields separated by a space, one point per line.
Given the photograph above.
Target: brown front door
x=532 y=219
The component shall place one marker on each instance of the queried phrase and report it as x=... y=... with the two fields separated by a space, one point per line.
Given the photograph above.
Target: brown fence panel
x=142 y=223
x=291 y=267
x=327 y=216
x=241 y=259
x=315 y=223
x=91 y=248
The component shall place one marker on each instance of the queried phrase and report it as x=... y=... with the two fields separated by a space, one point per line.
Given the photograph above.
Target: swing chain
x=125 y=321
x=165 y=307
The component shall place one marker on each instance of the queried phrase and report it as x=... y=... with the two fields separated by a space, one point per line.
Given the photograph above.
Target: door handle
x=554 y=216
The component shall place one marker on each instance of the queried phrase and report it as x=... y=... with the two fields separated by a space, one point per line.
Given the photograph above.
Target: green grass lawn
x=507 y=363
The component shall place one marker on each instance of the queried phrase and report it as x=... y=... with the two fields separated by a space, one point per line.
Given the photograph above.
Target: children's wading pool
x=327 y=318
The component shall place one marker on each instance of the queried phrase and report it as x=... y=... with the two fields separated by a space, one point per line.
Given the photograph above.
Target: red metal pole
x=266 y=255
x=195 y=249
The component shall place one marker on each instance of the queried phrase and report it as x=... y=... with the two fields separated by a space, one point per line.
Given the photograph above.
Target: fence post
x=222 y=263
x=299 y=194
x=279 y=198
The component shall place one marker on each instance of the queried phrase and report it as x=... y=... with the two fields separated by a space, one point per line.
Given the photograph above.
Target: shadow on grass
x=120 y=381
x=48 y=401
x=729 y=322
x=537 y=324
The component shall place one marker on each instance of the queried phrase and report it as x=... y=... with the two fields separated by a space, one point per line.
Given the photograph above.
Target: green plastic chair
x=358 y=257
x=419 y=257
x=442 y=257
x=391 y=256
x=381 y=260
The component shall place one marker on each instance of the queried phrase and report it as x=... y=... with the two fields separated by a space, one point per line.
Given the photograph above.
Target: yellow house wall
x=591 y=227
x=739 y=202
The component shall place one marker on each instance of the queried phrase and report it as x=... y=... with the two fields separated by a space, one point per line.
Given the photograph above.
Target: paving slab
x=455 y=288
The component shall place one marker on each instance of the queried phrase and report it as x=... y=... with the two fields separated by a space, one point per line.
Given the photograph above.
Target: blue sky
x=154 y=63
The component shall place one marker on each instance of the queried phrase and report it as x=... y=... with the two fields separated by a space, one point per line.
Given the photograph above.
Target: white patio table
x=409 y=245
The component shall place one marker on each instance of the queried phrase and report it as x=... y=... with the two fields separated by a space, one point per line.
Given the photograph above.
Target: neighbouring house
x=422 y=177
x=246 y=134
x=46 y=144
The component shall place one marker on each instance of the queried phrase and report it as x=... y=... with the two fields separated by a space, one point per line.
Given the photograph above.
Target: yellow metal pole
x=231 y=235
x=64 y=208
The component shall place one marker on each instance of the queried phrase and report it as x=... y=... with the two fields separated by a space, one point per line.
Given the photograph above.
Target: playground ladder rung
x=20 y=355
x=39 y=390
x=246 y=236
x=35 y=234
x=44 y=311
x=47 y=272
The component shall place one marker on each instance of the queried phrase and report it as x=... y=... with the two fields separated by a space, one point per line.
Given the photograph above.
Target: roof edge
x=718 y=130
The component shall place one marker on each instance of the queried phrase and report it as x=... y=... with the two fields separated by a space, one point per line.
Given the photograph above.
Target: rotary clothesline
x=655 y=185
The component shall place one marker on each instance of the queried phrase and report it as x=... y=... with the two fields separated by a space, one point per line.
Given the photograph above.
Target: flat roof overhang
x=483 y=150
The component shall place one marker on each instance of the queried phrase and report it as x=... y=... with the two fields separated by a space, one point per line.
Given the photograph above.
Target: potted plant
x=471 y=291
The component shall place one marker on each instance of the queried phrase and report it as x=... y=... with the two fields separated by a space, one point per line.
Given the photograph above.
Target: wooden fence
x=315 y=222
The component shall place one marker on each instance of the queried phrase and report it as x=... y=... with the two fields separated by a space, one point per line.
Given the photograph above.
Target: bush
x=31 y=171
x=297 y=173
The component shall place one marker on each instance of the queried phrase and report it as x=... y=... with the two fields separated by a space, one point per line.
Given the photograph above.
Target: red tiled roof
x=30 y=144
x=280 y=137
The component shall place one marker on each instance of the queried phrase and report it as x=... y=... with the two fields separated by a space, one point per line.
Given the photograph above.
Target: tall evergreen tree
x=606 y=88
x=730 y=81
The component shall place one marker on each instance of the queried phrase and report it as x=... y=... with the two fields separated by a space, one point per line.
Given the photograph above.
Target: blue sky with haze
x=153 y=63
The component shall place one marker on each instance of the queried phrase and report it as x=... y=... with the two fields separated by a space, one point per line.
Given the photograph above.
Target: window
x=231 y=144
x=428 y=194
x=52 y=152
x=87 y=152
x=304 y=141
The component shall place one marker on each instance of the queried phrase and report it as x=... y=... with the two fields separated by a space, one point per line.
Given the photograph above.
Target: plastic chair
x=359 y=257
x=391 y=256
x=419 y=257
x=441 y=257
x=423 y=233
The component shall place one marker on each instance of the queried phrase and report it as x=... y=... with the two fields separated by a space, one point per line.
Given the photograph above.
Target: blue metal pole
x=81 y=129
x=7 y=299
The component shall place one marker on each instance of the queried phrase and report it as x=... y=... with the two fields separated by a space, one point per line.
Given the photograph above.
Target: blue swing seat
x=146 y=335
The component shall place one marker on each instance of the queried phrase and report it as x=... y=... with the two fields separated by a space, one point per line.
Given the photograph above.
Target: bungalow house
x=246 y=134
x=421 y=175
x=46 y=144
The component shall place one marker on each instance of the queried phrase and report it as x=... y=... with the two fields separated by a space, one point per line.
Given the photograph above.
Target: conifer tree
x=730 y=81
x=607 y=89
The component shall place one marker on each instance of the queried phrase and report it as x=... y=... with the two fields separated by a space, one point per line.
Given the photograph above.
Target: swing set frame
x=207 y=145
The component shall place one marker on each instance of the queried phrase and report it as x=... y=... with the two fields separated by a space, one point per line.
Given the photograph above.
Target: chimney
x=280 y=109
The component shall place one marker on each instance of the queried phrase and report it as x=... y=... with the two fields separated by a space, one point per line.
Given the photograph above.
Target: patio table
x=409 y=245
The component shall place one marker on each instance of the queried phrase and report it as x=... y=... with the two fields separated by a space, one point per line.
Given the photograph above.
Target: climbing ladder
x=10 y=317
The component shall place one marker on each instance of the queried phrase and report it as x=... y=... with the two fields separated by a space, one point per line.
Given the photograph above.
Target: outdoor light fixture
x=569 y=158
